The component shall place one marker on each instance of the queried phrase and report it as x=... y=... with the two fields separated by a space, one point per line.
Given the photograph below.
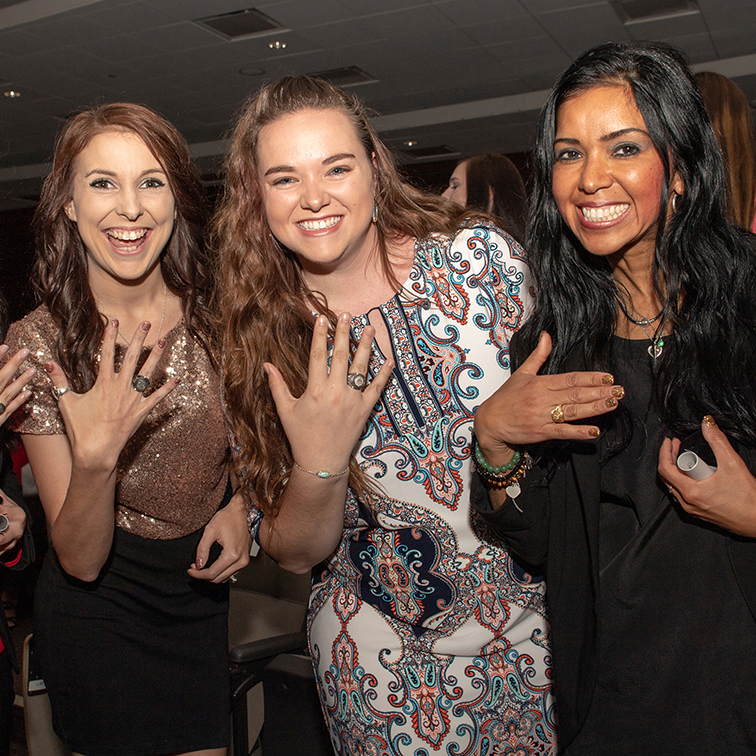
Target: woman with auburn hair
x=491 y=183
x=731 y=116
x=637 y=366
x=127 y=441
x=353 y=433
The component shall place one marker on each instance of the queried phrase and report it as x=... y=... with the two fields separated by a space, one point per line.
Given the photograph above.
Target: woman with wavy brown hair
x=352 y=429
x=126 y=437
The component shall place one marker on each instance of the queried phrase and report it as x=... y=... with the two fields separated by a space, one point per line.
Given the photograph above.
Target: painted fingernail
x=114 y=323
x=618 y=391
x=177 y=380
x=608 y=379
x=161 y=343
x=48 y=367
x=200 y=563
x=23 y=353
x=611 y=402
x=594 y=432
x=710 y=421
x=146 y=325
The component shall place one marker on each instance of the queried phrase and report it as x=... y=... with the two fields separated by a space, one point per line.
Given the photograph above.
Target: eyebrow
x=103 y=172
x=326 y=161
x=606 y=137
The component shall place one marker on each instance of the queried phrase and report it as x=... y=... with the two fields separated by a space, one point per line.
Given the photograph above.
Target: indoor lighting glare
x=12 y=93
x=277 y=45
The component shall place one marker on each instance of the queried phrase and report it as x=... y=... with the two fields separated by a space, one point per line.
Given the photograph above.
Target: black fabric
x=136 y=662
x=654 y=646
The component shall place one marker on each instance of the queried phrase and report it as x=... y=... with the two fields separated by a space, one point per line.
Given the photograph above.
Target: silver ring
x=4 y=523
x=233 y=578
x=2 y=408
x=357 y=381
x=140 y=383
x=58 y=392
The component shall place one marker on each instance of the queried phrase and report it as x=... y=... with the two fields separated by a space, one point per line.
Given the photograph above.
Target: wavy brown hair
x=265 y=306
x=61 y=267
x=730 y=114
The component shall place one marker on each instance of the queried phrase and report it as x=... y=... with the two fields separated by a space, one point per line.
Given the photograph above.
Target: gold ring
x=557 y=414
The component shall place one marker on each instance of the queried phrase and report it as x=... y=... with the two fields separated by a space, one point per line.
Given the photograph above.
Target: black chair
x=293 y=721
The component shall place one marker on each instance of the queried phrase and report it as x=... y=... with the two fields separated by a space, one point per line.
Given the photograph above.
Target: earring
x=675 y=195
x=375 y=213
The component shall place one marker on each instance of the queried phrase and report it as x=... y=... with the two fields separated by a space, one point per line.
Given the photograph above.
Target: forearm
x=82 y=532
x=309 y=523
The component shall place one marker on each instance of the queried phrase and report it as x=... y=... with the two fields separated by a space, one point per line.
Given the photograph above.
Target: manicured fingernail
x=146 y=325
x=24 y=353
x=48 y=367
x=345 y=317
x=594 y=432
x=177 y=380
x=161 y=343
x=322 y=321
x=618 y=391
x=200 y=563
x=710 y=421
x=608 y=379
x=114 y=323
x=611 y=402
x=3 y=349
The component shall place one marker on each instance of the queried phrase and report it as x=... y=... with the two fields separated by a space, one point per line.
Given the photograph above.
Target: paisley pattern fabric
x=426 y=637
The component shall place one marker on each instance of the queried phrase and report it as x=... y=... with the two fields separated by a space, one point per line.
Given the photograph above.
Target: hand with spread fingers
x=324 y=424
x=725 y=498
x=530 y=408
x=13 y=393
x=101 y=421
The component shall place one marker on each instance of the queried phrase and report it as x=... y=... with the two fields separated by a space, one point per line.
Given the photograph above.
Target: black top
x=654 y=643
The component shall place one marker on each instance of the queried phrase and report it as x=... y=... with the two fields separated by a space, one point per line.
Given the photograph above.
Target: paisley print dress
x=425 y=635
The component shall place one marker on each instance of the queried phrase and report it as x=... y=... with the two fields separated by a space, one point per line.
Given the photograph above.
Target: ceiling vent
x=241 y=24
x=351 y=76
x=639 y=11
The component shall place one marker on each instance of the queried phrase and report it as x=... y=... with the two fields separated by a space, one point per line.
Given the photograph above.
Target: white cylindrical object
x=691 y=464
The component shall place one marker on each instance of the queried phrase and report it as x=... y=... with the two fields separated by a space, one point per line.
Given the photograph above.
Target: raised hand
x=530 y=408
x=324 y=424
x=101 y=421
x=13 y=393
x=727 y=498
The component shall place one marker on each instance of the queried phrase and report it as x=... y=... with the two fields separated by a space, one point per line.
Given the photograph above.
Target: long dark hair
x=495 y=177
x=61 y=267
x=702 y=266
x=264 y=303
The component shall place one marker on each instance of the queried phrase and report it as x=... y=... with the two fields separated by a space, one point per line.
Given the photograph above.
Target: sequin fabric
x=172 y=472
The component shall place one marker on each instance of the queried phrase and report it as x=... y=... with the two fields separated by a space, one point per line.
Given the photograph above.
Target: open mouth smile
x=127 y=241
x=604 y=213
x=320 y=225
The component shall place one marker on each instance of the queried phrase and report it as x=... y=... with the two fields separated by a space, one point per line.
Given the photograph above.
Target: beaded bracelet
x=481 y=460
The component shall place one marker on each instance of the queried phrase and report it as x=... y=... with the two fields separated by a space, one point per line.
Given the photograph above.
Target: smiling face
x=608 y=177
x=318 y=189
x=123 y=207
x=457 y=189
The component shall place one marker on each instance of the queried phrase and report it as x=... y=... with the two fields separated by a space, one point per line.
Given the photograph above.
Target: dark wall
x=16 y=259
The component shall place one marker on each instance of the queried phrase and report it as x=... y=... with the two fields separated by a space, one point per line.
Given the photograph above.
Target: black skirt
x=136 y=662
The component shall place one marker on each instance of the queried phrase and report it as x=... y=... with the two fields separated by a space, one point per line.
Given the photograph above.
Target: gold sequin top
x=172 y=472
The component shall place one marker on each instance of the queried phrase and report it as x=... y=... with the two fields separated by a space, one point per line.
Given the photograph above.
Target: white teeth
x=605 y=213
x=127 y=235
x=319 y=225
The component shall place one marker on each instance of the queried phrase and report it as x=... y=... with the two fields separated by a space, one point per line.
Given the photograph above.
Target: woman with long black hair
x=642 y=345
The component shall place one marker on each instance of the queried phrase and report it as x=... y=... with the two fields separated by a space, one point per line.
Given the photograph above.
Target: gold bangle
x=322 y=474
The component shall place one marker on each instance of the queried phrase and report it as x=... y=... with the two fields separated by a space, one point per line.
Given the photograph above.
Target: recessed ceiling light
x=410 y=143
x=12 y=93
x=277 y=45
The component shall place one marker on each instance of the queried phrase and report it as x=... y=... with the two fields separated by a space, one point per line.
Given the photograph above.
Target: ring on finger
x=357 y=381
x=2 y=408
x=557 y=414
x=233 y=578
x=140 y=383
x=4 y=523
x=58 y=392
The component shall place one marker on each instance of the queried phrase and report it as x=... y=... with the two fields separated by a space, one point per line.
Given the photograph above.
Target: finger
x=107 y=351
x=154 y=357
x=361 y=358
x=538 y=356
x=158 y=395
x=57 y=378
x=203 y=549
x=716 y=439
x=10 y=368
x=587 y=395
x=575 y=412
x=282 y=397
x=318 y=366
x=134 y=350
x=341 y=350
x=376 y=386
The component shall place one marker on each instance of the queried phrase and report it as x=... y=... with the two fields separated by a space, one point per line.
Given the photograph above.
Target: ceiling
x=468 y=75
